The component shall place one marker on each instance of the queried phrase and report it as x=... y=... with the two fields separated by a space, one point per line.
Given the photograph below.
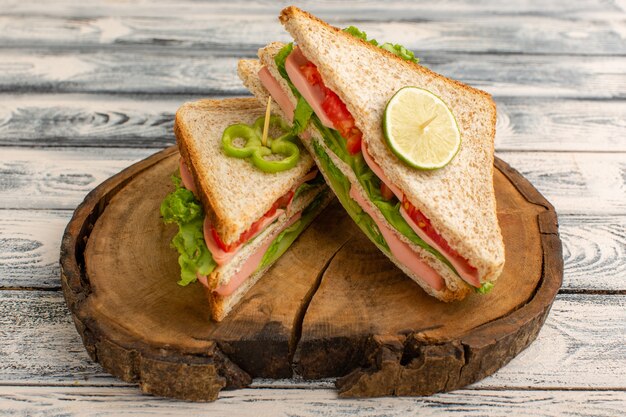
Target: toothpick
x=266 y=125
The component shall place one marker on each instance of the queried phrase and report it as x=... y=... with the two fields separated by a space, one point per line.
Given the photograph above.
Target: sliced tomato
x=386 y=191
x=223 y=246
x=424 y=223
x=335 y=109
x=282 y=202
x=311 y=73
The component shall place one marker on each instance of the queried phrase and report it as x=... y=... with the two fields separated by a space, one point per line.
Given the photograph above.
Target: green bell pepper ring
x=282 y=147
x=254 y=149
x=245 y=132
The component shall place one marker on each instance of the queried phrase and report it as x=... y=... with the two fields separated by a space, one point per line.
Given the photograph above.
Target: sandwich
x=439 y=226
x=236 y=216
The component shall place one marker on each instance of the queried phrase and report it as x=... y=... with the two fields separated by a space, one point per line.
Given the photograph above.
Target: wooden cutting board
x=332 y=306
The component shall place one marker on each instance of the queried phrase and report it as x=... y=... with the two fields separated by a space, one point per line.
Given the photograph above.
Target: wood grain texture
x=88 y=120
x=170 y=70
x=537 y=124
x=367 y=8
x=593 y=334
x=58 y=178
x=29 y=246
x=45 y=349
x=580 y=346
x=88 y=401
x=575 y=183
x=593 y=250
x=138 y=121
x=594 y=29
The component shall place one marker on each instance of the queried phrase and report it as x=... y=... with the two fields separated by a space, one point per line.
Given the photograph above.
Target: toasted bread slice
x=458 y=199
x=248 y=69
x=233 y=192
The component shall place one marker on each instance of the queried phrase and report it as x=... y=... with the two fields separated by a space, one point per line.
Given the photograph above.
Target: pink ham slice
x=252 y=263
x=186 y=177
x=379 y=172
x=313 y=94
x=276 y=92
x=400 y=250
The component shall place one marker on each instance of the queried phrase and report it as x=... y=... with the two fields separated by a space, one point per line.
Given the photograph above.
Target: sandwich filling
x=223 y=252
x=340 y=133
x=200 y=247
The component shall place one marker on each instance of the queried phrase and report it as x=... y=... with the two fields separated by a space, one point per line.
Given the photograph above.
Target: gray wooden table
x=89 y=87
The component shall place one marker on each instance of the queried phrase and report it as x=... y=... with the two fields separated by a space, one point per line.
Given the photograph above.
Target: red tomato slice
x=282 y=202
x=311 y=73
x=336 y=110
x=386 y=191
x=423 y=223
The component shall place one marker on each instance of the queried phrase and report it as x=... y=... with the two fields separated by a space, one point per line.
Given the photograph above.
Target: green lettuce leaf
x=182 y=208
x=341 y=186
x=357 y=33
x=280 y=59
x=395 y=49
x=302 y=113
x=485 y=288
x=301 y=116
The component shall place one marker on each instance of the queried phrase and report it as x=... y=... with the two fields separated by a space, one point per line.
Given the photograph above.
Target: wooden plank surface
x=593 y=248
x=529 y=124
x=167 y=70
x=575 y=183
x=367 y=8
x=582 y=330
x=88 y=401
x=59 y=178
x=556 y=68
x=29 y=248
x=591 y=29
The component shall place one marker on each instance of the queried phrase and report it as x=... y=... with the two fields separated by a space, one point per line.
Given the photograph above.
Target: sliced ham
x=277 y=93
x=399 y=249
x=379 y=172
x=252 y=263
x=308 y=177
x=313 y=94
x=186 y=178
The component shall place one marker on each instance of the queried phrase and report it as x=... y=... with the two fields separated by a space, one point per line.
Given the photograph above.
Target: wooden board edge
x=201 y=375
x=412 y=365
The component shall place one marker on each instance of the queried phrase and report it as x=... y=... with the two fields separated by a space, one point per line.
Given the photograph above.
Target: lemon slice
x=420 y=129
